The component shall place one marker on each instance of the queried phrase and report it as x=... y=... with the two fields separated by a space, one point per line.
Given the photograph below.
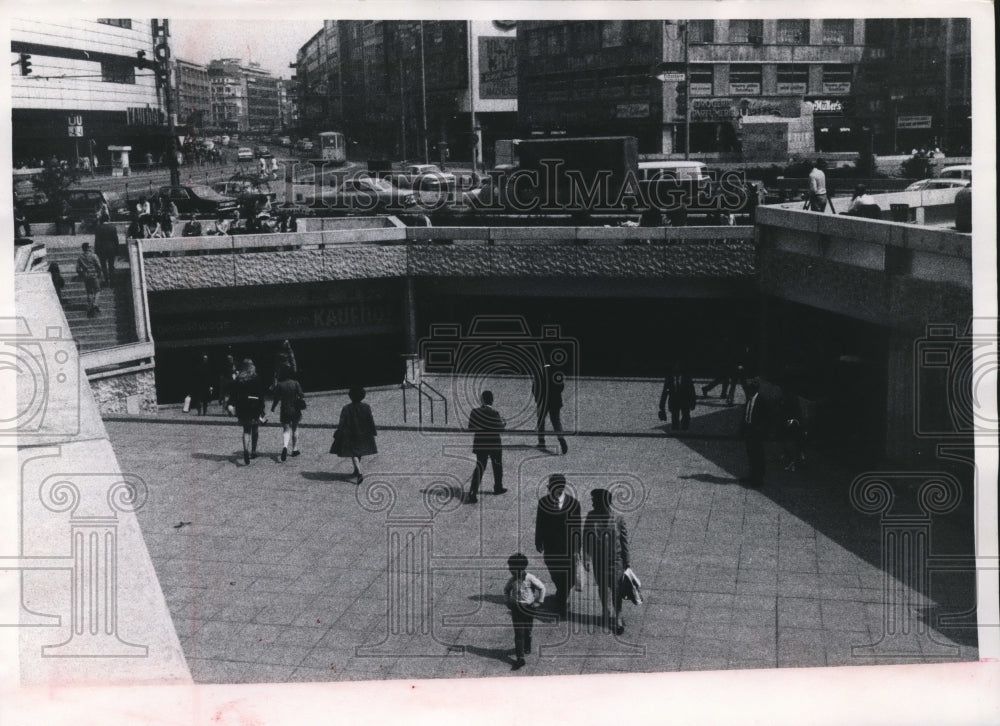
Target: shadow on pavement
x=328 y=476
x=501 y=654
x=819 y=494
x=234 y=458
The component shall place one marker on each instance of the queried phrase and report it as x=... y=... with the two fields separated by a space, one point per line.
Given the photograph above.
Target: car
x=939 y=183
x=262 y=150
x=304 y=145
x=206 y=144
x=83 y=204
x=426 y=178
x=224 y=140
x=244 y=188
x=959 y=171
x=199 y=199
x=285 y=141
x=361 y=194
x=244 y=153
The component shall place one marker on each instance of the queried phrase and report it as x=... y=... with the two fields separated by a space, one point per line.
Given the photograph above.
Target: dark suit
x=547 y=393
x=754 y=427
x=106 y=247
x=557 y=537
x=487 y=424
x=678 y=393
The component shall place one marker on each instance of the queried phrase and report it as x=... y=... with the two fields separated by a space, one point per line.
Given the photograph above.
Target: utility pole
x=687 y=106
x=472 y=102
x=161 y=51
x=423 y=91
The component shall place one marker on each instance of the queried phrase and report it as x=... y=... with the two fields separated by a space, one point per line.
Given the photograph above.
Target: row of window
x=590 y=36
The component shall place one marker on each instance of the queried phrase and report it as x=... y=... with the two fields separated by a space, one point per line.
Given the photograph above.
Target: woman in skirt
x=355 y=435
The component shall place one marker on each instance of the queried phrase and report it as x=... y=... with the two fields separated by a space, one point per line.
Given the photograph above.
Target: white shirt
x=817 y=181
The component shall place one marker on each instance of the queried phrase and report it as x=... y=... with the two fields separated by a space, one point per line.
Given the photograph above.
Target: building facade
x=194 y=94
x=83 y=71
x=918 y=84
x=229 y=95
x=416 y=90
x=636 y=76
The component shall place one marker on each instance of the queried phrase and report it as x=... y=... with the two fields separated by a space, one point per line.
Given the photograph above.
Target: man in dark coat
x=547 y=391
x=106 y=247
x=678 y=394
x=754 y=429
x=558 y=528
x=486 y=424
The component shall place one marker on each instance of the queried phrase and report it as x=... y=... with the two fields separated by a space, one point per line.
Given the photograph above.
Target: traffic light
x=682 y=98
x=25 y=64
x=141 y=62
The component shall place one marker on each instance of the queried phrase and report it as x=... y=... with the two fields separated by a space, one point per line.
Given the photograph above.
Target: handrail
x=131 y=356
x=419 y=387
x=140 y=301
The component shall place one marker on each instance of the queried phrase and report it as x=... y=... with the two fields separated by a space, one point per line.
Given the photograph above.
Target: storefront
x=834 y=126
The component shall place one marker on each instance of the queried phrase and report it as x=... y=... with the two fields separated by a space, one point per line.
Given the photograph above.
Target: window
x=793 y=79
x=534 y=43
x=838 y=32
x=117 y=22
x=701 y=31
x=793 y=32
x=117 y=71
x=700 y=80
x=837 y=78
x=557 y=40
x=746 y=31
x=612 y=34
x=744 y=80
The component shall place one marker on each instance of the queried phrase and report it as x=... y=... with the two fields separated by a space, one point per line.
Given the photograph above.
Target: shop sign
x=837 y=87
x=744 y=89
x=790 y=88
x=143 y=116
x=497 y=67
x=712 y=109
x=827 y=105
x=632 y=110
x=914 y=122
x=700 y=89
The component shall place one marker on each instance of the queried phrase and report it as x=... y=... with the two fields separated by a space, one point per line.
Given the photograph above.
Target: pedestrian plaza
x=289 y=571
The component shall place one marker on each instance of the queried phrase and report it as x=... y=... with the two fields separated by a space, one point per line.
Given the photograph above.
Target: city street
x=279 y=571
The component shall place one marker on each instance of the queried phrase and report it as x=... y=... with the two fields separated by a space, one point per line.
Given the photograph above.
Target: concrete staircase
x=111 y=327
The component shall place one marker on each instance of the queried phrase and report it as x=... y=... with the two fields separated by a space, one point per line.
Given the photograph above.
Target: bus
x=332 y=146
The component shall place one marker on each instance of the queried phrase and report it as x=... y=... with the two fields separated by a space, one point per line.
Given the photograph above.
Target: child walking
x=523 y=592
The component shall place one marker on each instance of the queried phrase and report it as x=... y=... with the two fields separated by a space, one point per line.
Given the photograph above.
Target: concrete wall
x=133 y=392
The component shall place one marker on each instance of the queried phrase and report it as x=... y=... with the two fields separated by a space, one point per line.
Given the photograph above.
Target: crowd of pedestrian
x=569 y=543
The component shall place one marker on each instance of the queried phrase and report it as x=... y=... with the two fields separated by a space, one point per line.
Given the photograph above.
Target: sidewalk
x=284 y=572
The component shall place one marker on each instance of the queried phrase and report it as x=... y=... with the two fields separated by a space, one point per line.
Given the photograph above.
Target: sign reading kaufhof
x=497 y=67
x=144 y=116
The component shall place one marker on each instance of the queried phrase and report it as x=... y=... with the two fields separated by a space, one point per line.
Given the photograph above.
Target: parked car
x=362 y=194
x=83 y=205
x=244 y=153
x=304 y=145
x=960 y=171
x=244 y=187
x=426 y=178
x=199 y=199
x=926 y=184
x=262 y=150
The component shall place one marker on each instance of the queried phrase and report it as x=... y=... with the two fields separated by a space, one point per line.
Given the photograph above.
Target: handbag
x=300 y=402
x=630 y=587
x=338 y=442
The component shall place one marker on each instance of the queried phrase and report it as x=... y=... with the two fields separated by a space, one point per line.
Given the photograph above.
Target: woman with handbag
x=606 y=550
x=355 y=434
x=246 y=400
x=288 y=393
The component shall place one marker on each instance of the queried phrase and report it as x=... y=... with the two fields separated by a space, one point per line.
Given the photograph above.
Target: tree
x=917 y=167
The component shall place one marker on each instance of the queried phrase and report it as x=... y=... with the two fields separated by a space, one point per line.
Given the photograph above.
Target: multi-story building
x=918 y=84
x=229 y=102
x=263 y=100
x=194 y=94
x=602 y=77
x=83 y=71
x=411 y=89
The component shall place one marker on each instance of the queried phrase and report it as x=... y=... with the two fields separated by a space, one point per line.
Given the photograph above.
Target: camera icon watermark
x=44 y=372
x=955 y=381
x=503 y=347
